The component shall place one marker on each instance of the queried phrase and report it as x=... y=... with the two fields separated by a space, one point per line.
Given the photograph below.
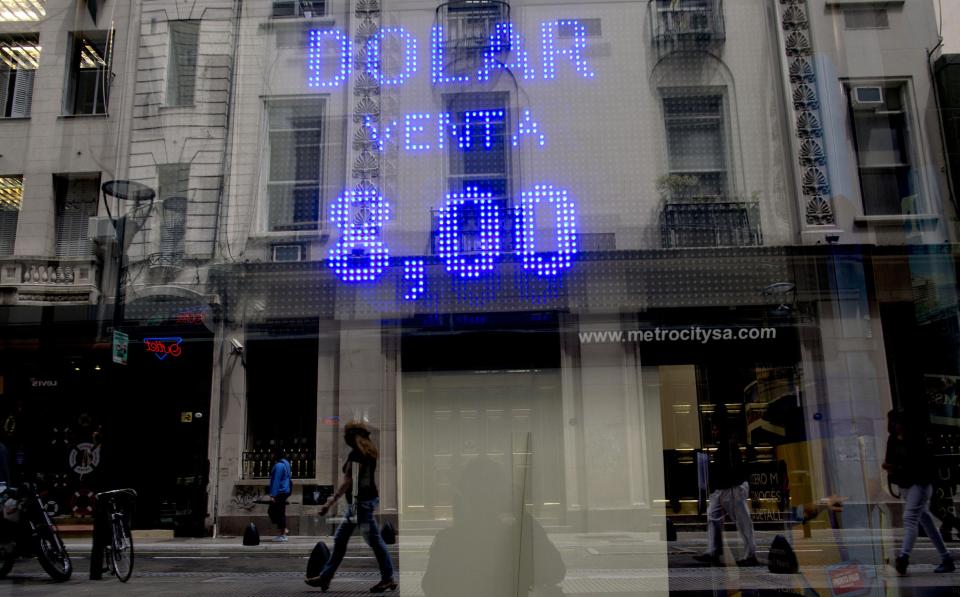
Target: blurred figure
x=494 y=548
x=909 y=464
x=729 y=494
x=363 y=498
x=280 y=490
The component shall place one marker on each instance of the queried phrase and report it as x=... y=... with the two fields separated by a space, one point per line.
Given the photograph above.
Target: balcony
x=686 y=25
x=470 y=30
x=64 y=280
x=470 y=235
x=710 y=223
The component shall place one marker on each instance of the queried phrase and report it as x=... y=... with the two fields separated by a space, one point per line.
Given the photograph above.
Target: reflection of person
x=280 y=490
x=508 y=551
x=909 y=464
x=729 y=494
x=363 y=500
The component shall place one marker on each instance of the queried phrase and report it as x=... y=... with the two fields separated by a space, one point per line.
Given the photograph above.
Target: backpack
x=251 y=536
x=782 y=559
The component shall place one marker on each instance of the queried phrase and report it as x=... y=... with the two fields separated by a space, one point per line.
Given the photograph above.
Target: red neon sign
x=164 y=347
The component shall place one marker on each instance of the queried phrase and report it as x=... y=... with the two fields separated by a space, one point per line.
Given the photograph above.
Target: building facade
x=537 y=247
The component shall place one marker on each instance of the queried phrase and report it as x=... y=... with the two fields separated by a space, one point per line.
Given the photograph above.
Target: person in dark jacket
x=363 y=456
x=280 y=490
x=729 y=494
x=909 y=464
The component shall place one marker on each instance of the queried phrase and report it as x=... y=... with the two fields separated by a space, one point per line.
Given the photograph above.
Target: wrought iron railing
x=470 y=233
x=710 y=224
x=686 y=24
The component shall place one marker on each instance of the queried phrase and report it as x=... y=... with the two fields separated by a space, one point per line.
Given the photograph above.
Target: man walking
x=729 y=494
x=280 y=489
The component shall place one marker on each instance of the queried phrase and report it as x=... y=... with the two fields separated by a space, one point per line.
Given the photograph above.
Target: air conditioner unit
x=867 y=97
x=288 y=253
x=101 y=229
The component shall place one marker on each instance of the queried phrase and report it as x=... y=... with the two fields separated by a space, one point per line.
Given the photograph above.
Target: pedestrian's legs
x=915 y=501
x=927 y=521
x=281 y=512
x=741 y=517
x=340 y=540
x=371 y=533
x=715 y=516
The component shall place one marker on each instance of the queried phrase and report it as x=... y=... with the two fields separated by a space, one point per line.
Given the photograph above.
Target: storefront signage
x=121 y=347
x=164 y=347
x=84 y=458
x=42 y=383
x=361 y=254
x=192 y=316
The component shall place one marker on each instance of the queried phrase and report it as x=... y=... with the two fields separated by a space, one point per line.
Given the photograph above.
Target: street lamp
x=142 y=196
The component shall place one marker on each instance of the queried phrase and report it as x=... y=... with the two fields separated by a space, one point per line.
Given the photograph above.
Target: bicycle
x=116 y=538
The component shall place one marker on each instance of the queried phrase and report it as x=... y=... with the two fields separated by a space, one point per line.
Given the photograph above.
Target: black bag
x=318 y=559
x=251 y=536
x=782 y=559
x=389 y=533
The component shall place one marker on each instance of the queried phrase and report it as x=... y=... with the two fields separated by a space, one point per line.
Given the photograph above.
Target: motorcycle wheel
x=52 y=553
x=6 y=566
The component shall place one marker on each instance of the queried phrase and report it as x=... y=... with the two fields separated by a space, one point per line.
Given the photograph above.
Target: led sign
x=360 y=254
x=164 y=347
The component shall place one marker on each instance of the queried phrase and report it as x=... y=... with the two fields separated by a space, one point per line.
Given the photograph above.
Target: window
x=696 y=145
x=678 y=17
x=182 y=62
x=19 y=58
x=299 y=8
x=470 y=23
x=173 y=190
x=76 y=204
x=865 y=18
x=882 y=141
x=88 y=87
x=13 y=11
x=294 y=166
x=11 y=196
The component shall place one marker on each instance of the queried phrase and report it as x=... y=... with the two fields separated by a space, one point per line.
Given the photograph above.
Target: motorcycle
x=26 y=531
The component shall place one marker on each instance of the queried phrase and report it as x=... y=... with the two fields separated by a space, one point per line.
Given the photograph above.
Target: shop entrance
x=477 y=394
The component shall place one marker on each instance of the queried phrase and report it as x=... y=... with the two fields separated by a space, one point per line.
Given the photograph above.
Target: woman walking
x=280 y=489
x=909 y=464
x=363 y=498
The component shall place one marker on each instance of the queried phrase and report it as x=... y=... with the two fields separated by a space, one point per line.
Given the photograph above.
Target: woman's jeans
x=917 y=512
x=361 y=514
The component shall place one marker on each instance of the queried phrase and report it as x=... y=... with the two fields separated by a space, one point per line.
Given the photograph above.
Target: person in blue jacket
x=280 y=489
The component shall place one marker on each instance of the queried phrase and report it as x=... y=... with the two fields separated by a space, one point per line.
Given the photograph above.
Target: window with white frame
x=17 y=11
x=76 y=197
x=295 y=163
x=182 y=62
x=696 y=144
x=11 y=197
x=173 y=186
x=883 y=140
x=19 y=58
x=89 y=77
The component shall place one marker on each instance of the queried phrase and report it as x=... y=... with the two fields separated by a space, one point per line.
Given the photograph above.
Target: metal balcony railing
x=710 y=224
x=686 y=24
x=470 y=28
x=470 y=237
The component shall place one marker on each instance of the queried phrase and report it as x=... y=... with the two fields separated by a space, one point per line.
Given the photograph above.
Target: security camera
x=237 y=348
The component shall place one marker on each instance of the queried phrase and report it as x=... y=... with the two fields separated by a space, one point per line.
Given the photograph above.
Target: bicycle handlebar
x=127 y=492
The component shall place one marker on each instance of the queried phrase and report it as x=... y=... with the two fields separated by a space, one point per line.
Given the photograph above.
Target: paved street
x=597 y=564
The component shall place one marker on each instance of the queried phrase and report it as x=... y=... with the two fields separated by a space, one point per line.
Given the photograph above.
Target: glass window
x=14 y=11
x=182 y=62
x=89 y=76
x=882 y=139
x=295 y=164
x=19 y=58
x=76 y=203
x=173 y=192
x=696 y=145
x=11 y=198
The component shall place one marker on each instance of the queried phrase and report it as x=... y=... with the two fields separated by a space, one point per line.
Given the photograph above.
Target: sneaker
x=280 y=539
x=901 y=565
x=946 y=565
x=318 y=581
x=709 y=558
x=749 y=562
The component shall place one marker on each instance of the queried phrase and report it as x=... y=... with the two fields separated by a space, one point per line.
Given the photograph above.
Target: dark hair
x=357 y=435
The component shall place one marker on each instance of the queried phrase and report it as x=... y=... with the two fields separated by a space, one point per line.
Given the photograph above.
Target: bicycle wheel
x=121 y=548
x=51 y=552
